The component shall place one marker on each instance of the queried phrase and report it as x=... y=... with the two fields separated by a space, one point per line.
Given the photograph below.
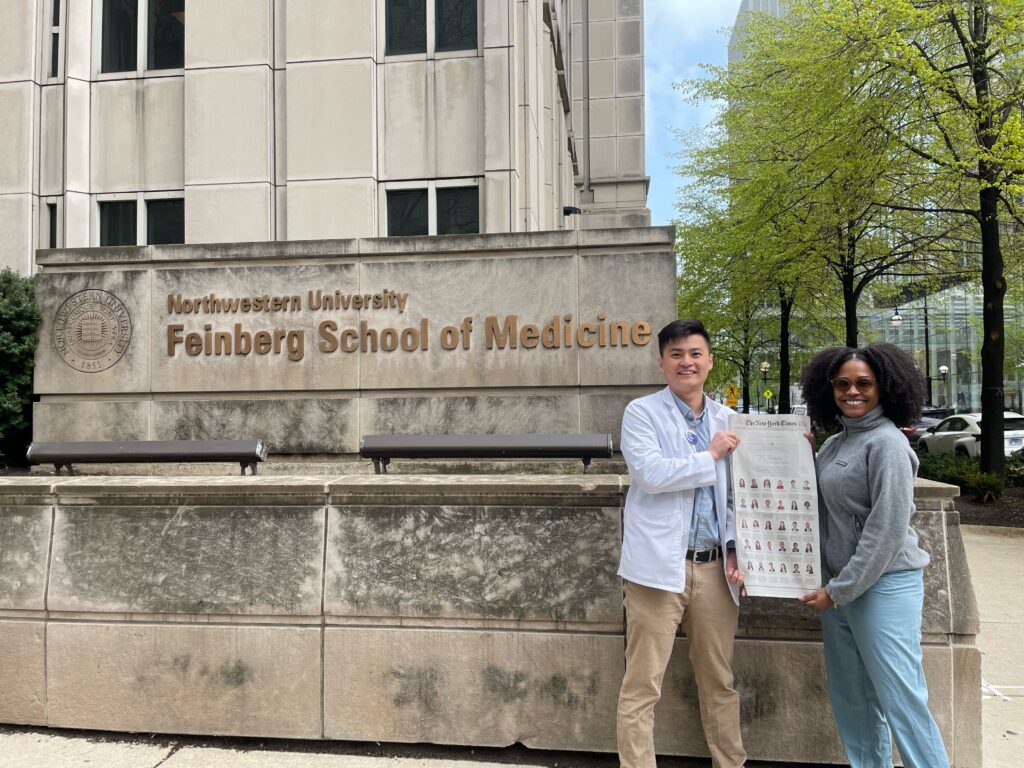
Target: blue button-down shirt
x=704 y=532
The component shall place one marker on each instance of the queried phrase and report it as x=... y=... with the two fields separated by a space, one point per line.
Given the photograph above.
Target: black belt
x=704 y=555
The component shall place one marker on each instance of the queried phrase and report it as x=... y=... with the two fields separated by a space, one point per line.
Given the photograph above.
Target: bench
x=246 y=452
x=383 y=448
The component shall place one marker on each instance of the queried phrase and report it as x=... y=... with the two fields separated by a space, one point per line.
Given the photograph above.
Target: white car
x=959 y=433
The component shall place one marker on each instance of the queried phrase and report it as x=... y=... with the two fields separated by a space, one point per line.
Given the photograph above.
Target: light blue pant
x=875 y=678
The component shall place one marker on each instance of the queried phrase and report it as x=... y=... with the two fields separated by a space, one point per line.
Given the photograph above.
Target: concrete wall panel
x=187 y=560
x=91 y=420
x=482 y=562
x=77 y=220
x=18 y=102
x=408 y=120
x=331 y=131
x=462 y=414
x=163 y=161
x=228 y=125
x=229 y=213
x=23 y=661
x=16 y=222
x=77 y=133
x=237 y=681
x=497 y=108
x=224 y=33
x=117 y=130
x=18 y=41
x=317 y=31
x=553 y=691
x=458 y=100
x=25 y=533
x=307 y=425
x=331 y=209
x=78 y=31
x=51 y=141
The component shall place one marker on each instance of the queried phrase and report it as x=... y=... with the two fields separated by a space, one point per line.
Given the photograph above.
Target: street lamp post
x=896 y=321
x=765 y=367
x=943 y=371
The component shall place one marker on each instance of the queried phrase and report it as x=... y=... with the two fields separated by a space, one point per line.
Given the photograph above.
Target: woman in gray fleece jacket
x=874 y=588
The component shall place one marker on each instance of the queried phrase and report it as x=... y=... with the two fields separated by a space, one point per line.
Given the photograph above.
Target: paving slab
x=33 y=750
x=996 y=559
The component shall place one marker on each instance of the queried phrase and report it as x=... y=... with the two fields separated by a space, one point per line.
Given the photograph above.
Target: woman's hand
x=734 y=574
x=819 y=600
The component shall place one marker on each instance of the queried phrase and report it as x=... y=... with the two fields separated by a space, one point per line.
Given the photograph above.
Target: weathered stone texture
x=471 y=414
x=305 y=425
x=90 y=420
x=22 y=672
x=188 y=560
x=475 y=562
x=547 y=690
x=931 y=532
x=24 y=542
x=238 y=681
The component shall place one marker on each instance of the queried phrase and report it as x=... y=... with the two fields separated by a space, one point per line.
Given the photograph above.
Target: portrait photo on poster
x=775 y=500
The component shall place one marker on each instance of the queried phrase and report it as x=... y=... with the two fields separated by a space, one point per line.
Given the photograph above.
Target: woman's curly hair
x=901 y=389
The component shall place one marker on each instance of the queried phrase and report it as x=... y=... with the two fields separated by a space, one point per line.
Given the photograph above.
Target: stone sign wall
x=309 y=345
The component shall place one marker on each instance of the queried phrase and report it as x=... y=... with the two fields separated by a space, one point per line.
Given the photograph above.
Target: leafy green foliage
x=19 y=321
x=963 y=472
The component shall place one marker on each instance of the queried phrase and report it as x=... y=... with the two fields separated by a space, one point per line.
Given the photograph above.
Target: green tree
x=19 y=320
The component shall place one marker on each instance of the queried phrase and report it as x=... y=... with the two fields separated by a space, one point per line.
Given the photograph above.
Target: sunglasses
x=863 y=384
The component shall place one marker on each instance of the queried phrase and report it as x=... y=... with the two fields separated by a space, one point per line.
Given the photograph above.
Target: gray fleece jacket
x=866 y=486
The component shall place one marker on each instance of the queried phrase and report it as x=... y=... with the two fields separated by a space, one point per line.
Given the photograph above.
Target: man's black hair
x=680 y=329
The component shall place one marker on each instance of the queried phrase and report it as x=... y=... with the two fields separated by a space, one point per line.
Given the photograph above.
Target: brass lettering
x=261 y=342
x=173 y=338
x=529 y=336
x=326 y=331
x=641 y=333
x=503 y=335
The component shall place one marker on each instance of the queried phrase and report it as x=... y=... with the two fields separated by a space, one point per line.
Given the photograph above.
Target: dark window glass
x=120 y=35
x=51 y=212
x=454 y=25
x=458 y=210
x=166 y=34
x=407 y=212
x=56 y=13
x=117 y=223
x=165 y=221
x=54 y=53
x=406 y=24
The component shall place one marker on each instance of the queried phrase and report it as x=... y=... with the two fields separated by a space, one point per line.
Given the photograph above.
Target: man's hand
x=819 y=600
x=723 y=443
x=734 y=574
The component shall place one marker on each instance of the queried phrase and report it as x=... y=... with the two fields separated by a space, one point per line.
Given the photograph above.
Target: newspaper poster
x=775 y=497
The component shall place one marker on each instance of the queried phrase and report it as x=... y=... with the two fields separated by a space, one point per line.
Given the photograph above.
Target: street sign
x=732 y=402
x=731 y=391
x=768 y=394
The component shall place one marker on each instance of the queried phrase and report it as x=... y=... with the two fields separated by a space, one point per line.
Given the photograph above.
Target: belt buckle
x=701 y=556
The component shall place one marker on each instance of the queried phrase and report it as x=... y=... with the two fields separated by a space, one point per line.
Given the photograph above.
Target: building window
x=406 y=24
x=51 y=225
x=458 y=210
x=440 y=208
x=165 y=221
x=166 y=38
x=407 y=212
x=453 y=23
x=117 y=223
x=163 y=22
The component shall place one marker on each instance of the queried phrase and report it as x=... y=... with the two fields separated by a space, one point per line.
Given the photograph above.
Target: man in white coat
x=678 y=550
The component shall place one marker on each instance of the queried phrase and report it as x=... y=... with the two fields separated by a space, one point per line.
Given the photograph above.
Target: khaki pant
x=709 y=617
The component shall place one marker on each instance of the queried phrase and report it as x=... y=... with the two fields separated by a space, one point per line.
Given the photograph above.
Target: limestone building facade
x=135 y=122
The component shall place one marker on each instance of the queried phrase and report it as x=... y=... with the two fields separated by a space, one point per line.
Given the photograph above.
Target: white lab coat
x=664 y=471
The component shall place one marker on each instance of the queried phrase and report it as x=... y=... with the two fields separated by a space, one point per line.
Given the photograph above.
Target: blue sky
x=678 y=36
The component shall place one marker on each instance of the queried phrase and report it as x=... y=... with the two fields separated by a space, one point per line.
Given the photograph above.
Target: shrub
x=1015 y=470
x=963 y=472
x=19 y=322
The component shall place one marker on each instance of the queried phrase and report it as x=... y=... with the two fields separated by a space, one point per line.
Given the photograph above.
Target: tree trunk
x=785 y=312
x=992 y=347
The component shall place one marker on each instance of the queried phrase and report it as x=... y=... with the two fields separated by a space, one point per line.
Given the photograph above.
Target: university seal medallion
x=91 y=330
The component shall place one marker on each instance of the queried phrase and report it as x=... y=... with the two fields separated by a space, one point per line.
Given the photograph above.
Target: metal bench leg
x=380 y=466
x=251 y=465
x=376 y=466
x=586 y=465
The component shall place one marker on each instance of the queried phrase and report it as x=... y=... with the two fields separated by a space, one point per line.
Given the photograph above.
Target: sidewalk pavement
x=996 y=559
